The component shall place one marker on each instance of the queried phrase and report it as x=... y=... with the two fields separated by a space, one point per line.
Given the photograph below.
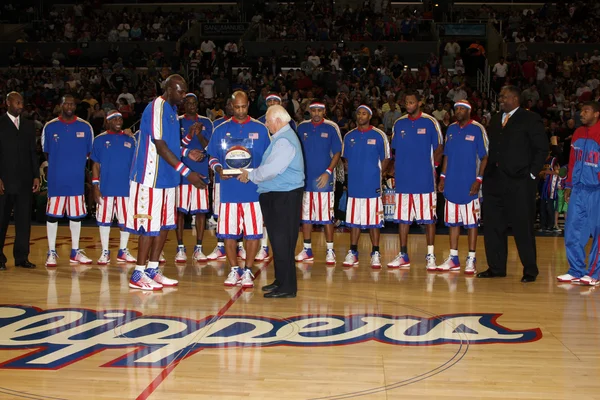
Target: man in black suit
x=518 y=149
x=19 y=178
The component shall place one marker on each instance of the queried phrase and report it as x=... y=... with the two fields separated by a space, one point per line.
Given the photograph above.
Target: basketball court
x=79 y=332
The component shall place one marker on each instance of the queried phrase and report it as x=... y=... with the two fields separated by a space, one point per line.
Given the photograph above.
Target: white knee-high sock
x=124 y=240
x=104 y=236
x=75 y=227
x=264 y=242
x=51 y=231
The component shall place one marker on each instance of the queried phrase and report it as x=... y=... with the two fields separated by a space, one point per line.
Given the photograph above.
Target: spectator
x=127 y=96
x=207 y=86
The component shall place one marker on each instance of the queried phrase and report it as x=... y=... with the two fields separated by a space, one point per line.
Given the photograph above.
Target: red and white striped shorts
x=216 y=198
x=110 y=208
x=73 y=205
x=415 y=207
x=192 y=200
x=467 y=215
x=317 y=208
x=235 y=218
x=364 y=213
x=150 y=210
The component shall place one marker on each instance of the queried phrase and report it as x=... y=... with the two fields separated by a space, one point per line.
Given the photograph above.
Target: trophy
x=238 y=155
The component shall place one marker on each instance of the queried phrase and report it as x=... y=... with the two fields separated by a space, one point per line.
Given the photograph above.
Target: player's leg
x=262 y=253
x=200 y=227
x=199 y=208
x=253 y=225
x=76 y=210
x=184 y=193
x=374 y=234
x=592 y=276
x=328 y=211
x=123 y=255
x=375 y=223
x=403 y=216
x=229 y=231
x=424 y=209
x=55 y=210
x=453 y=219
x=307 y=220
x=104 y=217
x=219 y=252
x=354 y=221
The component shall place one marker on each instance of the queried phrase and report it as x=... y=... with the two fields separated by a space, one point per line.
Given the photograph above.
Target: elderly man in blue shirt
x=280 y=181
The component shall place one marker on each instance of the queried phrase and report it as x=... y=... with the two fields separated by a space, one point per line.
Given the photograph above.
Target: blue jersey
x=293 y=125
x=216 y=123
x=68 y=145
x=550 y=183
x=207 y=129
x=414 y=141
x=114 y=152
x=584 y=161
x=365 y=151
x=159 y=122
x=250 y=134
x=319 y=144
x=465 y=147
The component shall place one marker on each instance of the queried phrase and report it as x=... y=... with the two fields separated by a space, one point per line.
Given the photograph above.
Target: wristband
x=442 y=176
x=182 y=169
x=215 y=165
x=95 y=181
x=479 y=179
x=329 y=171
x=185 y=152
x=436 y=164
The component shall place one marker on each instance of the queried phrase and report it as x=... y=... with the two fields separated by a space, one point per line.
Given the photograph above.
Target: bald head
x=14 y=101
x=175 y=89
x=239 y=103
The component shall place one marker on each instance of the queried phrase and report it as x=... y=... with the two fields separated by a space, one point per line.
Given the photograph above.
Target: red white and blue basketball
x=238 y=157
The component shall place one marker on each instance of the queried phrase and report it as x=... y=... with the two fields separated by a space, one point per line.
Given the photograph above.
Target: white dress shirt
x=16 y=120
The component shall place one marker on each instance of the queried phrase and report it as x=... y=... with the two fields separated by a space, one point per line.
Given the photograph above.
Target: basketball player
x=273 y=99
x=466 y=154
x=417 y=142
x=219 y=252
x=367 y=151
x=322 y=146
x=239 y=213
x=155 y=175
x=582 y=192
x=67 y=142
x=112 y=154
x=196 y=132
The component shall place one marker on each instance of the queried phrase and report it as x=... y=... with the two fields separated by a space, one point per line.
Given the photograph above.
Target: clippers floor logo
x=60 y=337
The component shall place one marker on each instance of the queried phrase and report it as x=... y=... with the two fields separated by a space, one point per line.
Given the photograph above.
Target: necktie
x=505 y=120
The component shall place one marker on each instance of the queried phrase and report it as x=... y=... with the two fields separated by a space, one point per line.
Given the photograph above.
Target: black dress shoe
x=271 y=287
x=276 y=294
x=25 y=264
x=528 y=278
x=2 y=266
x=490 y=274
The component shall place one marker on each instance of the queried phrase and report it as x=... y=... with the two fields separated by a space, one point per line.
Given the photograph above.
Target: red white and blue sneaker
x=471 y=267
x=217 y=254
x=305 y=255
x=157 y=276
x=568 y=278
x=241 y=252
x=125 y=256
x=400 y=261
x=351 y=258
x=104 y=258
x=181 y=256
x=198 y=254
x=51 y=258
x=375 y=259
x=263 y=254
x=78 y=257
x=162 y=259
x=452 y=263
x=141 y=280
x=330 y=257
x=247 y=280
x=589 y=281
x=234 y=278
x=430 y=263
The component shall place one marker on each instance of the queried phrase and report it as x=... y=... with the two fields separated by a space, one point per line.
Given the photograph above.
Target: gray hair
x=278 y=112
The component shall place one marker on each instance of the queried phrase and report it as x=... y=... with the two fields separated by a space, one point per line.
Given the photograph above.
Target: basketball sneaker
x=217 y=254
x=430 y=263
x=51 y=258
x=162 y=258
x=330 y=257
x=351 y=259
x=247 y=279
x=157 y=276
x=375 y=260
x=241 y=252
x=125 y=256
x=104 y=257
x=567 y=278
x=181 y=256
x=263 y=254
x=471 y=266
x=234 y=277
x=141 y=280
x=198 y=254
x=589 y=281
x=78 y=257
x=305 y=255
x=452 y=263
x=401 y=260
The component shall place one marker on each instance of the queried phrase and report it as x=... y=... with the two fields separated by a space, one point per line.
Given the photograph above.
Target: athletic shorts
x=467 y=215
x=72 y=206
x=240 y=219
x=191 y=200
x=150 y=210
x=110 y=208
x=216 y=198
x=415 y=207
x=317 y=208
x=364 y=213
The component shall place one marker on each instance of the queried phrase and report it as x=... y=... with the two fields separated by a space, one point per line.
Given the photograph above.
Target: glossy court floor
x=80 y=332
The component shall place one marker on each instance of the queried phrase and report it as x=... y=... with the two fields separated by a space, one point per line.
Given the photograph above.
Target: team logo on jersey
x=56 y=338
x=107 y=144
x=403 y=133
x=305 y=136
x=421 y=131
x=371 y=141
x=352 y=142
x=55 y=137
x=127 y=144
x=253 y=135
x=449 y=137
x=470 y=138
x=324 y=135
x=80 y=134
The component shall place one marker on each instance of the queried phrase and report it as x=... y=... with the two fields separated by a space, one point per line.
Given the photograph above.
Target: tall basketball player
x=322 y=147
x=155 y=175
x=112 y=154
x=67 y=142
x=239 y=213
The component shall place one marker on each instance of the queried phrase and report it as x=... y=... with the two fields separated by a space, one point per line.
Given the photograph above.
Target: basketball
x=238 y=157
x=562 y=172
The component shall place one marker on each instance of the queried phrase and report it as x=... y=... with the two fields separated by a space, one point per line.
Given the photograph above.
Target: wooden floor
x=79 y=332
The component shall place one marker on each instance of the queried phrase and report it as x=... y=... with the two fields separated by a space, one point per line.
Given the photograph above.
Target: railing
x=484 y=85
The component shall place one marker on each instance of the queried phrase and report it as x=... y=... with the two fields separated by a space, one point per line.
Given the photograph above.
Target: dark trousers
x=547 y=213
x=507 y=200
x=281 y=213
x=21 y=203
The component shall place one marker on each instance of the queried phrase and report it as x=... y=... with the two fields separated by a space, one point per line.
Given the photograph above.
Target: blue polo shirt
x=114 y=152
x=250 y=134
x=159 y=122
x=414 y=141
x=365 y=151
x=319 y=143
x=263 y=119
x=68 y=145
x=207 y=129
x=465 y=147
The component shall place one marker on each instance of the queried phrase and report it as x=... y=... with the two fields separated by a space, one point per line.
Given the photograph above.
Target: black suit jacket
x=18 y=158
x=518 y=149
